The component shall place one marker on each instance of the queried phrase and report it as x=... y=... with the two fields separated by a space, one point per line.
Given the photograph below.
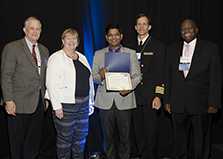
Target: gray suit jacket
x=104 y=99
x=20 y=79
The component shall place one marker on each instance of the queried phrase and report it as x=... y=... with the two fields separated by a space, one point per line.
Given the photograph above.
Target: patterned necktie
x=186 y=54
x=34 y=54
x=187 y=50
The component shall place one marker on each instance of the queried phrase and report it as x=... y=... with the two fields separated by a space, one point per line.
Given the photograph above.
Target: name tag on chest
x=148 y=53
x=139 y=55
x=184 y=64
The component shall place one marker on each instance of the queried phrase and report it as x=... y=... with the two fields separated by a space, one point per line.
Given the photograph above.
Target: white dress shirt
x=188 y=52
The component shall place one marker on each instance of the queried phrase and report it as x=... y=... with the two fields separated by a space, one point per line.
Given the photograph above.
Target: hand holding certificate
x=118 y=81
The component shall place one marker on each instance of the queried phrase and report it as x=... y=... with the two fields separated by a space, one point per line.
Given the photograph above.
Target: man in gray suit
x=114 y=106
x=23 y=70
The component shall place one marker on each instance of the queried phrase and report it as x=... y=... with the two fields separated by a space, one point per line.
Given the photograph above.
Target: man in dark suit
x=23 y=70
x=193 y=89
x=151 y=55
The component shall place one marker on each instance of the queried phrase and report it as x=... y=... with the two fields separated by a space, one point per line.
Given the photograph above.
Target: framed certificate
x=116 y=81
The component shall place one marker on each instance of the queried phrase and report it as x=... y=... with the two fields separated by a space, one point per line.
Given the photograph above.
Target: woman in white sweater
x=70 y=90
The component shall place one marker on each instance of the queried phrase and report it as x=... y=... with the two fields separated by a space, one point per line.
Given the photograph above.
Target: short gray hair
x=27 y=21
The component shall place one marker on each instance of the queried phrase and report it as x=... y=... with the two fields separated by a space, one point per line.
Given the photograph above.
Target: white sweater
x=60 y=79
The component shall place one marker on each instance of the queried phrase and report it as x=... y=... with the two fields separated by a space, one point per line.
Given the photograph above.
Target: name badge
x=184 y=64
x=148 y=53
x=184 y=59
x=138 y=55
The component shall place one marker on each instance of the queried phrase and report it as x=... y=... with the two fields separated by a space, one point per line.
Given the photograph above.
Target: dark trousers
x=25 y=132
x=150 y=123
x=145 y=121
x=189 y=135
x=208 y=137
x=115 y=126
x=4 y=143
x=48 y=141
x=138 y=130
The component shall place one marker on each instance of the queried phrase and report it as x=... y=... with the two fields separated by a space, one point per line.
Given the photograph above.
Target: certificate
x=116 y=81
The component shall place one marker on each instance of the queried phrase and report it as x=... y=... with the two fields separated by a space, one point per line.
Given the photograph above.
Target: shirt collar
x=143 y=40
x=29 y=43
x=192 y=43
x=117 y=49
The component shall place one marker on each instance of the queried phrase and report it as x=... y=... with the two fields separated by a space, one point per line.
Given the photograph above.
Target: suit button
x=141 y=83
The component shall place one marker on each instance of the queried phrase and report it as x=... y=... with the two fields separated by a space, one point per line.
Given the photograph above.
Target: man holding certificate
x=117 y=73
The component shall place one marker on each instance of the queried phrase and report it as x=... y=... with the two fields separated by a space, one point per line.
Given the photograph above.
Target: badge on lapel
x=148 y=53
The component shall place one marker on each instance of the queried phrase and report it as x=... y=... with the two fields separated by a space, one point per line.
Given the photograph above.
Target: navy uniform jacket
x=152 y=68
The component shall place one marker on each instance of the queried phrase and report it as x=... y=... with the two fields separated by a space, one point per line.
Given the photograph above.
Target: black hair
x=112 y=26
